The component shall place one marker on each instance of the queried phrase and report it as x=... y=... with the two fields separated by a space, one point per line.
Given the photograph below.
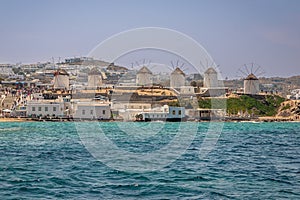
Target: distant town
x=83 y=88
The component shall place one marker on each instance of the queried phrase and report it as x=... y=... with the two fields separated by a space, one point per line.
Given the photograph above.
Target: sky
x=234 y=32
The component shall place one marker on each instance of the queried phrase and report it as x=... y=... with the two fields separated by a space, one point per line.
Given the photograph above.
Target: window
x=179 y=112
x=54 y=109
x=173 y=112
x=83 y=112
x=92 y=112
x=39 y=108
x=46 y=109
x=33 y=109
x=103 y=112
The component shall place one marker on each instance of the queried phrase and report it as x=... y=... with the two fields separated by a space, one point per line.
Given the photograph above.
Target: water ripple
x=48 y=161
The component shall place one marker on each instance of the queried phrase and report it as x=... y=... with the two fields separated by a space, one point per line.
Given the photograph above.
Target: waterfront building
x=165 y=113
x=60 y=107
x=91 y=111
x=206 y=114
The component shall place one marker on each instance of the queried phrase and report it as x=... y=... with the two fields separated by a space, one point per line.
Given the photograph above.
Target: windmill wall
x=94 y=80
x=144 y=79
x=210 y=80
x=177 y=80
x=251 y=86
x=61 y=82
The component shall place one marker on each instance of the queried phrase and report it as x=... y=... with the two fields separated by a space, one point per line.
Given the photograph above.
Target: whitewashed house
x=91 y=111
x=49 y=108
x=165 y=113
x=43 y=109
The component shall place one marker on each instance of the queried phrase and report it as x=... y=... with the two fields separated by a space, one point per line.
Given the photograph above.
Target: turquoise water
x=249 y=161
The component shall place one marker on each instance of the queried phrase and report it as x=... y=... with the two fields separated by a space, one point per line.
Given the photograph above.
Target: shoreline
x=259 y=120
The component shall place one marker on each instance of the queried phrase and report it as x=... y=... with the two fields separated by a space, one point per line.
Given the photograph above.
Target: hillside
x=290 y=108
x=257 y=105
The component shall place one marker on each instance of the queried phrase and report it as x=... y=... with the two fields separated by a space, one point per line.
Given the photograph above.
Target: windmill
x=144 y=76
x=177 y=77
x=250 y=72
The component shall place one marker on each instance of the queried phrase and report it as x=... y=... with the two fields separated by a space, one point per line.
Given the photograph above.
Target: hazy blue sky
x=234 y=32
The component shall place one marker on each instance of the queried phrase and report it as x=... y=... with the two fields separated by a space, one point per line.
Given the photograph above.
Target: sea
x=153 y=160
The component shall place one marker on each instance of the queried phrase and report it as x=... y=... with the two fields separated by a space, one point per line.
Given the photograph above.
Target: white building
x=128 y=111
x=95 y=78
x=165 y=113
x=177 y=78
x=92 y=110
x=210 y=78
x=295 y=94
x=144 y=76
x=251 y=84
x=61 y=79
x=187 y=90
x=49 y=108
x=6 y=70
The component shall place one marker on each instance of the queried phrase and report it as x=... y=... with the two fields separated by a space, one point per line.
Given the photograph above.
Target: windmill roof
x=178 y=71
x=61 y=72
x=144 y=70
x=251 y=77
x=210 y=71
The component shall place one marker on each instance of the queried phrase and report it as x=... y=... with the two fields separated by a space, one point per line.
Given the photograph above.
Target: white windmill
x=144 y=76
x=251 y=82
x=177 y=78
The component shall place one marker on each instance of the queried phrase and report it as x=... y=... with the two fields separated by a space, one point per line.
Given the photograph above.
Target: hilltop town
x=88 y=89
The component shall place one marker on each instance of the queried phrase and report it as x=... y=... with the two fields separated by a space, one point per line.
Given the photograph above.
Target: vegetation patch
x=258 y=105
